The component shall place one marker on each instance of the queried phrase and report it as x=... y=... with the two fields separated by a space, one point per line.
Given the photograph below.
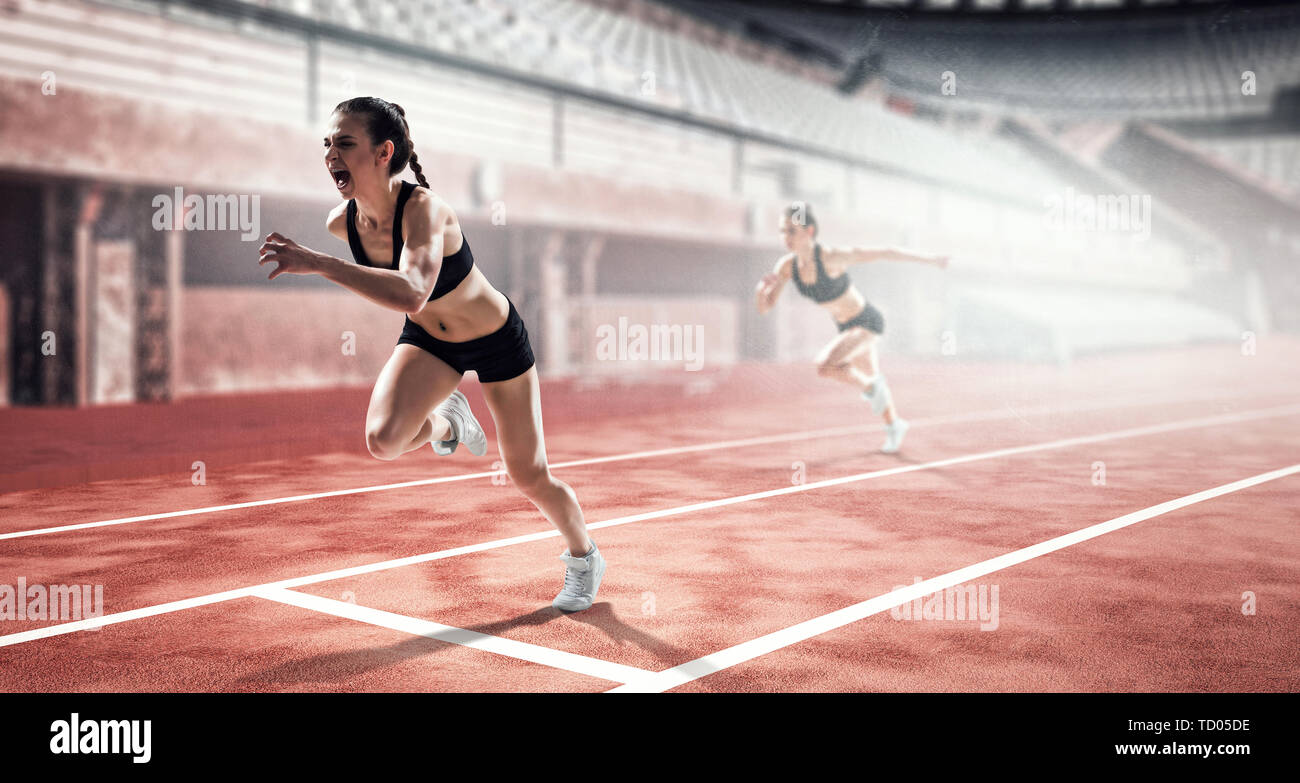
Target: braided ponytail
x=386 y=121
x=414 y=163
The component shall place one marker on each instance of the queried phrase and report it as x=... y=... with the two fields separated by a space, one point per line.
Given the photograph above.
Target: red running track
x=1154 y=606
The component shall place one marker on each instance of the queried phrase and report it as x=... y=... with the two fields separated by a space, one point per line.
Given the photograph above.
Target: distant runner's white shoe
x=581 y=580
x=878 y=396
x=464 y=427
x=894 y=436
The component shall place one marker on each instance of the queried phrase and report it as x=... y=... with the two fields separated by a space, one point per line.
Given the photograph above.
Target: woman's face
x=794 y=236
x=350 y=157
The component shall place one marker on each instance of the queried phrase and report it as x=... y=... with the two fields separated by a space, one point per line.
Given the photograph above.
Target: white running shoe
x=878 y=396
x=894 y=436
x=581 y=580
x=464 y=427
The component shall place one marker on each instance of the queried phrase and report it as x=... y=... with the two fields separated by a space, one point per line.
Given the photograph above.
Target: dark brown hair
x=386 y=121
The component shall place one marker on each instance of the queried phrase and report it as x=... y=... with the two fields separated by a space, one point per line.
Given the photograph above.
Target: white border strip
x=188 y=603
x=830 y=432
x=740 y=653
x=556 y=659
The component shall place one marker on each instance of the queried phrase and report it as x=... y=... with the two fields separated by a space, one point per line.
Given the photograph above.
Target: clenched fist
x=289 y=256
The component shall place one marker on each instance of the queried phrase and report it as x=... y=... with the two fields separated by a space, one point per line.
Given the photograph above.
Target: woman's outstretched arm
x=848 y=256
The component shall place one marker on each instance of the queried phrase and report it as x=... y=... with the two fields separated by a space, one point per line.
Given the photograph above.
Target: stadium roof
x=1170 y=60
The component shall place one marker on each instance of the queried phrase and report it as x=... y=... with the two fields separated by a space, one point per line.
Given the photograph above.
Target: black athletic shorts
x=500 y=356
x=869 y=319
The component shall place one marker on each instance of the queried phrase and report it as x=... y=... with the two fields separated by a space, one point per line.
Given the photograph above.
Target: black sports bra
x=455 y=267
x=824 y=288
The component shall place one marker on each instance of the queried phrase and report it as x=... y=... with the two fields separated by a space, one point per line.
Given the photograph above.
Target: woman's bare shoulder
x=337 y=221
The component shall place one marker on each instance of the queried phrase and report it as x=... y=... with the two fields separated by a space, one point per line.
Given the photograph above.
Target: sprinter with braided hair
x=455 y=322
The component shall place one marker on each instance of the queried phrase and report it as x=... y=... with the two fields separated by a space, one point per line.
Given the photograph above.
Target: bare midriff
x=843 y=307
x=470 y=310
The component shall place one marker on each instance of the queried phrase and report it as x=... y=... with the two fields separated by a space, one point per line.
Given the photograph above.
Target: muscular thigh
x=846 y=346
x=516 y=407
x=410 y=385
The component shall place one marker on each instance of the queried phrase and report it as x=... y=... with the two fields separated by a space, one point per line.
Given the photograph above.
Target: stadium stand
x=591 y=123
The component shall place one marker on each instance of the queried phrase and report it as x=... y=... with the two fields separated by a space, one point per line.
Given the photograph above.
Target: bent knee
x=829 y=369
x=384 y=441
x=531 y=479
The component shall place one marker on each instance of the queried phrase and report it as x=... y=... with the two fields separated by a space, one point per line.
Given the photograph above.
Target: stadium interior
x=635 y=155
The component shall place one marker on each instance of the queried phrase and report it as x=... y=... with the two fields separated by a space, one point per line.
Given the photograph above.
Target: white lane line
x=831 y=432
x=556 y=659
x=785 y=490
x=746 y=651
x=95 y=623
x=384 y=565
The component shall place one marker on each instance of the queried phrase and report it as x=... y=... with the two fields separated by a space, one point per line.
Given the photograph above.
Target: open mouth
x=341 y=178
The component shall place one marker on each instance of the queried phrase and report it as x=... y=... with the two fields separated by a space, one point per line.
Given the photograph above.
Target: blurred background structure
x=1106 y=176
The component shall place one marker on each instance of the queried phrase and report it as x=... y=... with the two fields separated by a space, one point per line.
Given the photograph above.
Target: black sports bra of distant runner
x=455 y=267
x=824 y=288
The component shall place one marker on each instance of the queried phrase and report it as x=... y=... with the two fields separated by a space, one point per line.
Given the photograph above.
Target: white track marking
x=831 y=432
x=95 y=623
x=710 y=664
x=384 y=565
x=557 y=659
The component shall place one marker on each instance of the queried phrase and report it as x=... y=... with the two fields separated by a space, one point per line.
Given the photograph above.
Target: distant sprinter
x=821 y=275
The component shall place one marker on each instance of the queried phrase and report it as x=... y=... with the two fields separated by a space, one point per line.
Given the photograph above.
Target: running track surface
x=756 y=539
